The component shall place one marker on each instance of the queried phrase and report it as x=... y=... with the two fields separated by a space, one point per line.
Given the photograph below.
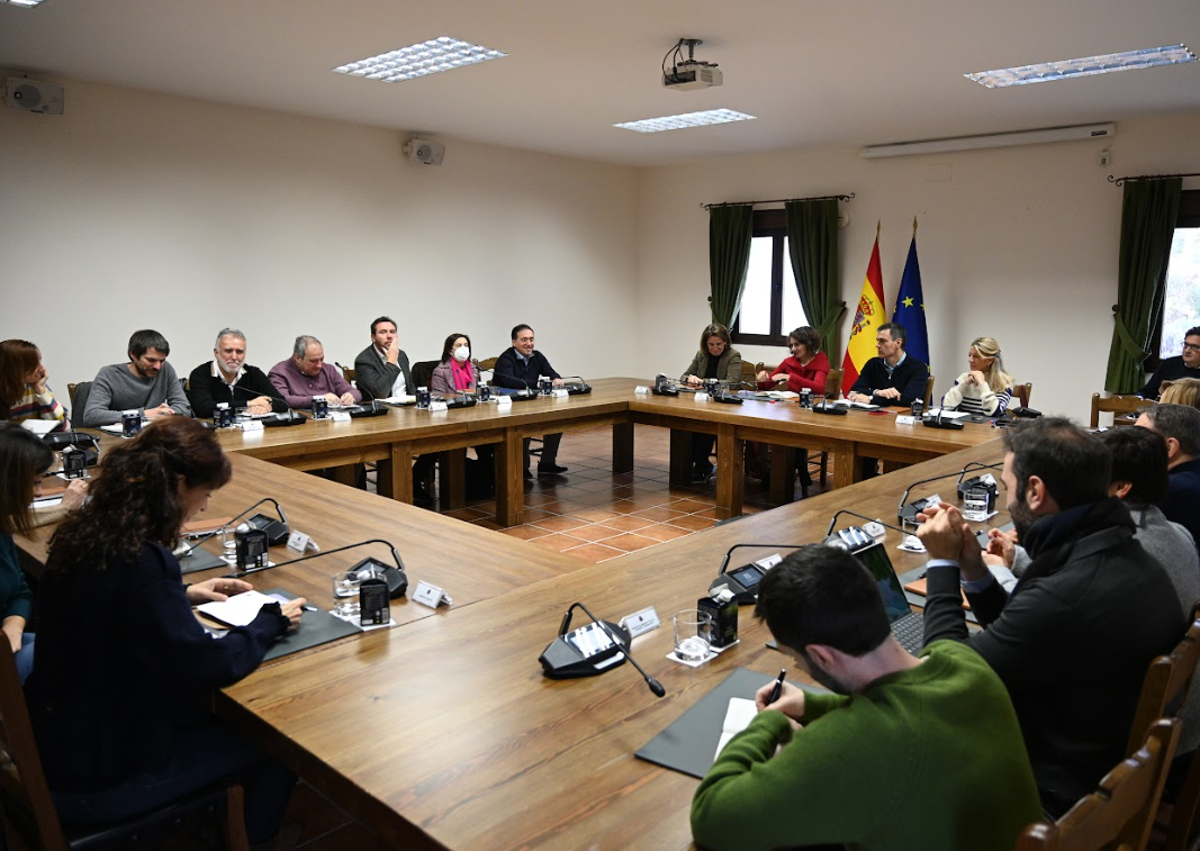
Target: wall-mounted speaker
x=34 y=96
x=425 y=152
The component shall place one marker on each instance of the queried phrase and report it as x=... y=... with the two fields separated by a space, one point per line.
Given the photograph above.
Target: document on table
x=738 y=716
x=238 y=610
x=947 y=415
x=40 y=427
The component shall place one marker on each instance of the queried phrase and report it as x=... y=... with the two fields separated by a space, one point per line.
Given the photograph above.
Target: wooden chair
x=1166 y=683
x=1116 y=405
x=928 y=392
x=78 y=394
x=487 y=364
x=348 y=373
x=1023 y=392
x=749 y=376
x=30 y=817
x=1119 y=814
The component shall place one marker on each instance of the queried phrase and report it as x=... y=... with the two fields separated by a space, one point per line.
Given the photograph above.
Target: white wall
x=1020 y=244
x=141 y=210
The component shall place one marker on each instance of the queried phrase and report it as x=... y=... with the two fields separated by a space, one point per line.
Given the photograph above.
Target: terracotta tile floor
x=595 y=515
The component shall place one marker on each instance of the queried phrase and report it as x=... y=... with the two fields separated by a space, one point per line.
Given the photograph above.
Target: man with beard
x=227 y=378
x=146 y=383
x=1073 y=638
x=893 y=715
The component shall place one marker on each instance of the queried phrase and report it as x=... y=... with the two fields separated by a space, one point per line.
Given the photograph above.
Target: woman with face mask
x=454 y=375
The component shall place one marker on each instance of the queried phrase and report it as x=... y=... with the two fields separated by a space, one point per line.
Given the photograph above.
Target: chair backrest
x=1120 y=813
x=750 y=373
x=929 y=392
x=487 y=363
x=1166 y=683
x=422 y=372
x=78 y=394
x=833 y=383
x=1024 y=391
x=1116 y=405
x=348 y=373
x=27 y=804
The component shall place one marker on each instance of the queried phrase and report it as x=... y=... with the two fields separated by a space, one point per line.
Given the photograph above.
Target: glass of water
x=693 y=630
x=345 y=593
x=228 y=544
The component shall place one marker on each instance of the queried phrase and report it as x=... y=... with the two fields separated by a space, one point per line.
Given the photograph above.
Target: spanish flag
x=867 y=319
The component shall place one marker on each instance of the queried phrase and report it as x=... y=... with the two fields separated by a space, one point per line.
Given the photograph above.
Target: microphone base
x=830 y=410
x=562 y=660
x=952 y=425
x=669 y=391
x=579 y=390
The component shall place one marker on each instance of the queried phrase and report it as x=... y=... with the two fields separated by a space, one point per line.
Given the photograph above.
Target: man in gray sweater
x=146 y=383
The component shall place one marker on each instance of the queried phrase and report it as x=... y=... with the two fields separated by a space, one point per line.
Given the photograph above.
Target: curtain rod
x=1120 y=180
x=849 y=197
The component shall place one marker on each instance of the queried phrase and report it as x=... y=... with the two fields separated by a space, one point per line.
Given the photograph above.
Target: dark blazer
x=204 y=391
x=1182 y=502
x=909 y=378
x=375 y=376
x=511 y=371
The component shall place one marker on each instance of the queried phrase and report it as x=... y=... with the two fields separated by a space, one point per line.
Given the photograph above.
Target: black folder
x=315 y=628
x=690 y=743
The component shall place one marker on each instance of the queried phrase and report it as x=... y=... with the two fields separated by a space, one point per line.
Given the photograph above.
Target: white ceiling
x=814 y=72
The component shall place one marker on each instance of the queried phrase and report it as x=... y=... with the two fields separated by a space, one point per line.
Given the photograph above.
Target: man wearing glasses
x=1172 y=369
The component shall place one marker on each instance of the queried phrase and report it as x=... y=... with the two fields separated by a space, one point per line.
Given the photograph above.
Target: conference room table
x=443 y=732
x=395 y=439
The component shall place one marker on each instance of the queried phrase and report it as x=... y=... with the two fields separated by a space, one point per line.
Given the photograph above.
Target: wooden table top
x=444 y=733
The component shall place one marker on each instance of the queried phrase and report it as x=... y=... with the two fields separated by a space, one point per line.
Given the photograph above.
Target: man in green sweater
x=910 y=753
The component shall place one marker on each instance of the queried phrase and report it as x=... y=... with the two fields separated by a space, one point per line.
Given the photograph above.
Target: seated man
x=1186 y=365
x=381 y=369
x=941 y=726
x=226 y=378
x=305 y=375
x=1179 y=426
x=146 y=383
x=518 y=368
x=893 y=378
x=1073 y=639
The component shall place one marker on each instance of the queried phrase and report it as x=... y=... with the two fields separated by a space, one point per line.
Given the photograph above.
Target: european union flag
x=910 y=307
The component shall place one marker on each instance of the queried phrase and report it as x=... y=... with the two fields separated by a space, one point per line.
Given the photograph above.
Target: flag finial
x=878 y=226
x=914 y=225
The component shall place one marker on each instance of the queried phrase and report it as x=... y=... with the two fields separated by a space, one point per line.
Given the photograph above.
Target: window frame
x=1188 y=217
x=772 y=223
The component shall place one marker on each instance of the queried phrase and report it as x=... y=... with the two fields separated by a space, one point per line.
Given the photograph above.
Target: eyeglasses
x=1191 y=347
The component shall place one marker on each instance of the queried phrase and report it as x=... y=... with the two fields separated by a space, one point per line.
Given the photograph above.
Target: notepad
x=40 y=427
x=238 y=610
x=738 y=716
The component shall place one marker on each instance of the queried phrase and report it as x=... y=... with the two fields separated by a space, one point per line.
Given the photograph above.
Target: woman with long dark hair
x=123 y=671
x=24 y=393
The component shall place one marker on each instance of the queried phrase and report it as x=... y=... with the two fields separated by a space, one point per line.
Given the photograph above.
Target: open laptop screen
x=875 y=558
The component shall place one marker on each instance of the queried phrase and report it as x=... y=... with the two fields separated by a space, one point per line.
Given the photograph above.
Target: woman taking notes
x=23 y=391
x=985 y=388
x=123 y=671
x=807 y=368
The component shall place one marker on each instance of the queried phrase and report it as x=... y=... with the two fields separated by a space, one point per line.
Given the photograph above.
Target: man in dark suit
x=381 y=369
x=1186 y=365
x=1179 y=426
x=519 y=368
x=893 y=378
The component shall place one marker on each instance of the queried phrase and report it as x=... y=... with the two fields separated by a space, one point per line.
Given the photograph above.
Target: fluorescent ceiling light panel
x=21 y=2
x=1175 y=54
x=690 y=119
x=420 y=60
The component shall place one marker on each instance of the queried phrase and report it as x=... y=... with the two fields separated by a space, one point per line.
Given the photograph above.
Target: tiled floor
x=594 y=515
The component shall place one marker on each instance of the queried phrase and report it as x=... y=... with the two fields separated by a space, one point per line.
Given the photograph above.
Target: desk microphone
x=588 y=656
x=396 y=578
x=582 y=388
x=908 y=513
x=743 y=581
x=833 y=522
x=277 y=530
x=523 y=392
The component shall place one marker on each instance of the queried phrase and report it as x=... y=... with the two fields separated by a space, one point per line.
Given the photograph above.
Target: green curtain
x=1148 y=215
x=812 y=228
x=729 y=232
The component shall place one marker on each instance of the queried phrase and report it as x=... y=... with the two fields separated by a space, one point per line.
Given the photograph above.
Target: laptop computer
x=908 y=626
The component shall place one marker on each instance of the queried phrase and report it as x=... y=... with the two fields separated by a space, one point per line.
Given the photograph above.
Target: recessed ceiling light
x=690 y=119
x=420 y=60
x=1174 y=54
x=21 y=2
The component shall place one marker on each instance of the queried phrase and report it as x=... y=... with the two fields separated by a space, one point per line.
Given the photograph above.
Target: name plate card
x=701 y=396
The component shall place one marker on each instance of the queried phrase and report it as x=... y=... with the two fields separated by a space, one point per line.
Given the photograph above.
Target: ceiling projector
x=686 y=75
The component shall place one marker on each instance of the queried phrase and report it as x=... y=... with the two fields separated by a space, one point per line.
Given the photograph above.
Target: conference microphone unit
x=830 y=408
x=526 y=392
x=743 y=581
x=394 y=575
x=907 y=514
x=833 y=523
x=938 y=421
x=591 y=650
x=291 y=418
x=578 y=387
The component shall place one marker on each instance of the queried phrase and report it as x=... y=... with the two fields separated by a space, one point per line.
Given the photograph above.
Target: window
x=1181 y=303
x=770 y=303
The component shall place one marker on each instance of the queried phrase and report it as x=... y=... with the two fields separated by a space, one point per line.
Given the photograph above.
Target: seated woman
x=716 y=359
x=454 y=375
x=985 y=388
x=123 y=671
x=807 y=368
x=1182 y=391
x=23 y=391
x=24 y=460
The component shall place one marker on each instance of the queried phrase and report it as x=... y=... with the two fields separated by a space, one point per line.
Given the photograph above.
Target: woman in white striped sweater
x=985 y=388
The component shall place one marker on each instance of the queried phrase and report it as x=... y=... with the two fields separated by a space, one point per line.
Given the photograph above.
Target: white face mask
x=461 y=354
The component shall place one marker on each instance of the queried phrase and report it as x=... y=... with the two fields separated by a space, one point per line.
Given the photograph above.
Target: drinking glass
x=345 y=593
x=693 y=631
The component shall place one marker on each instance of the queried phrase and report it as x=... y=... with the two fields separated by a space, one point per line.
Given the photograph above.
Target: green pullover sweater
x=929 y=759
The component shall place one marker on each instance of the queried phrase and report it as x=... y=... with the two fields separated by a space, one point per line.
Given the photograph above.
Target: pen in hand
x=778 y=687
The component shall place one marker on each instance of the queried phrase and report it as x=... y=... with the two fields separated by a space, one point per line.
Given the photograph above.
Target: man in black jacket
x=227 y=378
x=1186 y=365
x=1073 y=639
x=381 y=370
x=518 y=368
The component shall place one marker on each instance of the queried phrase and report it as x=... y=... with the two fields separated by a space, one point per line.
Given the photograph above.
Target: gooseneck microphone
x=397 y=579
x=833 y=522
x=562 y=659
x=207 y=535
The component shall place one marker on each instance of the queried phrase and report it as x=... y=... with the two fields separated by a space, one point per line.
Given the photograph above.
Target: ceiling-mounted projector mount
x=687 y=74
